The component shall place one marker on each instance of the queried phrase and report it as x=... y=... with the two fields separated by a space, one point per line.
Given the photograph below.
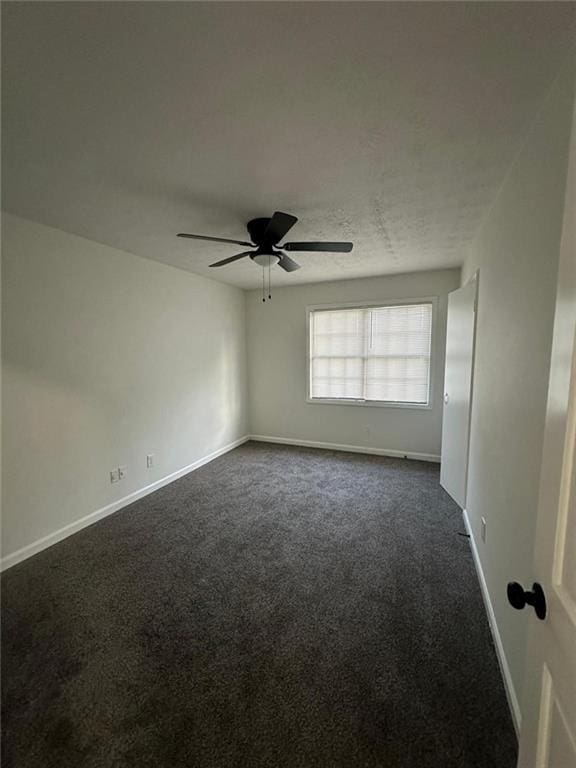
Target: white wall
x=277 y=367
x=107 y=357
x=517 y=253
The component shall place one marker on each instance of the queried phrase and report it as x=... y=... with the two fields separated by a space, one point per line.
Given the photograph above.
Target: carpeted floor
x=280 y=607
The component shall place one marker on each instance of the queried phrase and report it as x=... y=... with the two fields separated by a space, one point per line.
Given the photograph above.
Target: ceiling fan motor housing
x=256 y=229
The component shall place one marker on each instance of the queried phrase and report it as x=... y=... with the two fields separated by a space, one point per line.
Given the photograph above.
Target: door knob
x=518 y=597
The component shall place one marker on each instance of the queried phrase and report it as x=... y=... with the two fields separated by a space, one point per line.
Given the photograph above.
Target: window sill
x=369 y=403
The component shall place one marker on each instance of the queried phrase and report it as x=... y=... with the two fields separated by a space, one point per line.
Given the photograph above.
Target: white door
x=458 y=390
x=548 y=736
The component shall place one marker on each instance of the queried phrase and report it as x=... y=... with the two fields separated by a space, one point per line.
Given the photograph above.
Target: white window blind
x=379 y=354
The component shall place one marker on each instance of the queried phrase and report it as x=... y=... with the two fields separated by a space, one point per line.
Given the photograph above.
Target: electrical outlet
x=483 y=528
x=122 y=472
x=114 y=475
x=150 y=460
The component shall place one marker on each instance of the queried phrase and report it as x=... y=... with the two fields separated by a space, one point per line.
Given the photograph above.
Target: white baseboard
x=83 y=522
x=348 y=448
x=502 y=660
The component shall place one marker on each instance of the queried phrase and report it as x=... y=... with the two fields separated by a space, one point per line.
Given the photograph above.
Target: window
x=371 y=354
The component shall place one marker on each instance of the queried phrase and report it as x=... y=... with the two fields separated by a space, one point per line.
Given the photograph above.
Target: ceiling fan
x=265 y=234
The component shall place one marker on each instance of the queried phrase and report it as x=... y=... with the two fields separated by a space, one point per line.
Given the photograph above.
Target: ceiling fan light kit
x=266 y=259
x=265 y=234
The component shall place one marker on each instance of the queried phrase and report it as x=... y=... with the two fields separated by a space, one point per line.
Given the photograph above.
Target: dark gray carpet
x=278 y=607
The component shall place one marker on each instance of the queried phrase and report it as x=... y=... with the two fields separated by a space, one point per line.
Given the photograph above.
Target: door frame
x=474 y=278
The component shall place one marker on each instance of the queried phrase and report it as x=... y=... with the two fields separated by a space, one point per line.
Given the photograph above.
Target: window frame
x=432 y=300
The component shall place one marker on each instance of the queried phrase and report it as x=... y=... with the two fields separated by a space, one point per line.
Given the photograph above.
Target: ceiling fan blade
x=288 y=264
x=277 y=227
x=328 y=247
x=213 y=239
x=231 y=258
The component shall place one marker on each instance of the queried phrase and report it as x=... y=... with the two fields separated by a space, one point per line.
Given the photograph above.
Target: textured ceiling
x=388 y=124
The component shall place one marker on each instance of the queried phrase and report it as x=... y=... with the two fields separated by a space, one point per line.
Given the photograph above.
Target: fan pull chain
x=269 y=281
